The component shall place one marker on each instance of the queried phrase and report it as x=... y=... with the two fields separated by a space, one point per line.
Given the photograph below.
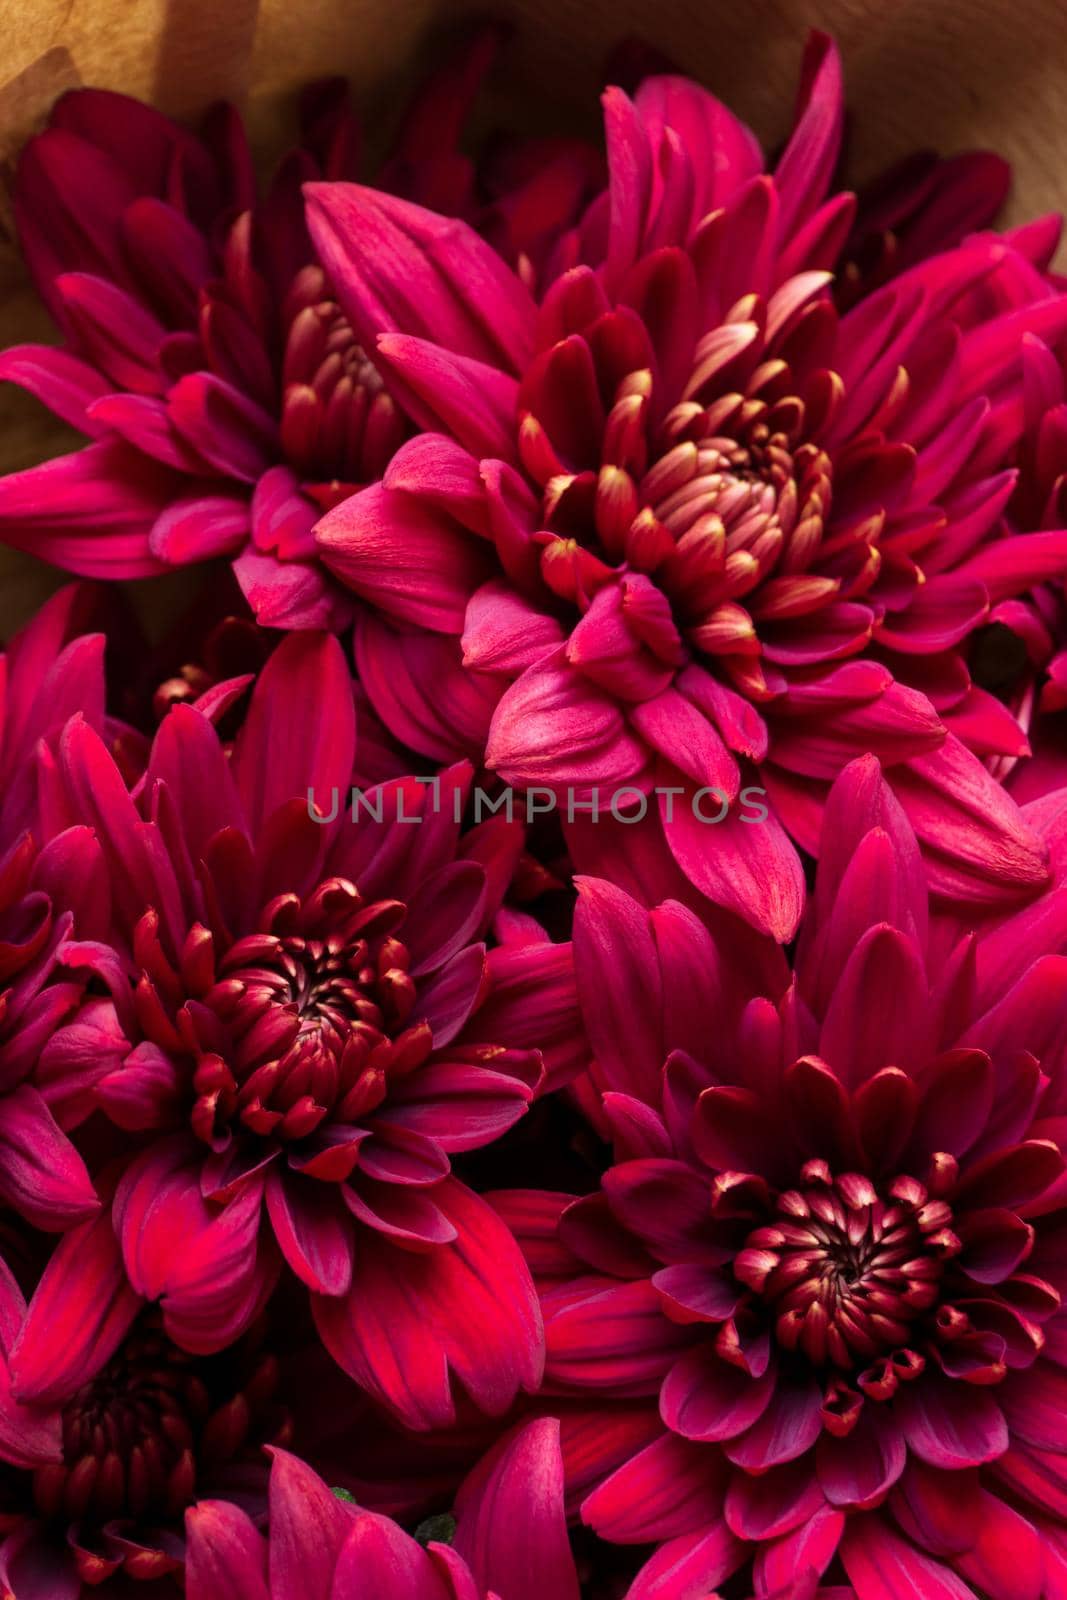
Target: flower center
x=846 y=1271
x=338 y=425
x=310 y=1017
x=712 y=492
x=138 y=1437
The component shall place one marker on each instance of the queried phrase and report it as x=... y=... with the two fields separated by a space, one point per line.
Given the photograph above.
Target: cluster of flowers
x=398 y=1203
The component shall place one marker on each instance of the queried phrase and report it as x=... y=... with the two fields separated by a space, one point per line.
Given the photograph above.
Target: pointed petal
x=81 y=1311
x=411 y=1322
x=398 y=268
x=408 y=559
x=512 y=1530
x=226 y=1555
x=308 y=1528
x=281 y=751
x=743 y=862
x=41 y=1174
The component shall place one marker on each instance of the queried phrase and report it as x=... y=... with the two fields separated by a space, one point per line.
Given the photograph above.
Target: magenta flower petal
x=1008 y=1554
x=705 y=1398
x=459 y=1106
x=857 y=1470
x=419 y=687
x=524 y=743
x=203 y=1264
x=774 y=1504
x=289 y=594
x=55 y=510
x=979 y=842
x=672 y=1481
x=684 y=1568
x=206 y=352
x=787 y=1429
x=809 y=158
x=30 y=1436
x=706 y=127
x=512 y=1530
x=448 y=997
x=764 y=884
x=312 y=1230
x=227 y=1555
x=610 y=1336
x=384 y=1561
x=61 y=381
x=827 y=1257
x=41 y=1174
x=810 y=1548
x=79 y=1315
x=279 y=738
x=677 y=564
x=308 y=1529
x=387 y=1332
x=532 y=1001
x=470 y=399
x=197 y=528
x=616 y=948
x=879 y=1563
x=415 y=565
x=398 y=267
x=32 y=1567
x=861 y=1038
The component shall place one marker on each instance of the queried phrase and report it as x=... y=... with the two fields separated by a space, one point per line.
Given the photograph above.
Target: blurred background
x=944 y=74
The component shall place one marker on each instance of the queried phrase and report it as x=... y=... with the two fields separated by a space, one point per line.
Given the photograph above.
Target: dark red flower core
x=338 y=424
x=300 y=1023
x=714 y=491
x=154 y=1429
x=850 y=1273
x=229 y=648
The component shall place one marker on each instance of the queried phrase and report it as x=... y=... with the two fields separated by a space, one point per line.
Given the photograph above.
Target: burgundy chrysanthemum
x=99 y=1465
x=203 y=349
x=109 y=1431
x=508 y=1540
x=303 y=1028
x=830 y=1252
x=683 y=524
x=50 y=670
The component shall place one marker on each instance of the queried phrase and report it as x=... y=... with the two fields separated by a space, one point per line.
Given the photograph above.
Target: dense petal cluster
x=50 y=672
x=102 y=1460
x=300 y=1007
x=508 y=1540
x=829 y=1250
x=204 y=352
x=684 y=522
x=533 y=1060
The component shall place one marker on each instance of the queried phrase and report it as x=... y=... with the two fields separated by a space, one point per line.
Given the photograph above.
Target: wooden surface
x=942 y=73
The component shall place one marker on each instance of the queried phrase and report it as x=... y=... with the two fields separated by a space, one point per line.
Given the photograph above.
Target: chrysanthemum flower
x=684 y=526
x=509 y=1540
x=304 y=1028
x=109 y=1431
x=50 y=670
x=204 y=352
x=830 y=1252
